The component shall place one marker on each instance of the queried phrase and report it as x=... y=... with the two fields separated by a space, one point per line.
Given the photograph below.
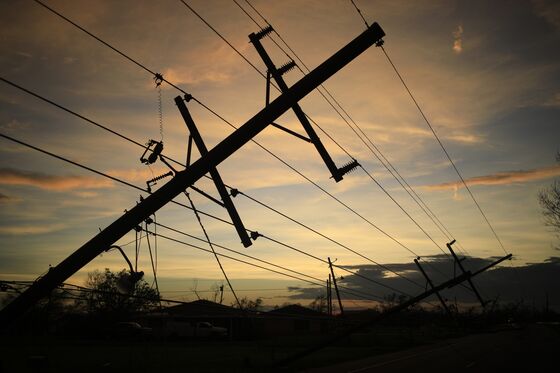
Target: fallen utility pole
x=442 y=301
x=466 y=276
x=458 y=262
x=184 y=179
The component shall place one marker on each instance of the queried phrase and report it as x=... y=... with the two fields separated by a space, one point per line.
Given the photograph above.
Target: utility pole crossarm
x=218 y=182
x=276 y=74
x=442 y=301
x=458 y=261
x=183 y=179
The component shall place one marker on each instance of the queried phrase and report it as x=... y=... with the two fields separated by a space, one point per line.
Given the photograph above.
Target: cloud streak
x=502 y=178
x=31 y=229
x=10 y=176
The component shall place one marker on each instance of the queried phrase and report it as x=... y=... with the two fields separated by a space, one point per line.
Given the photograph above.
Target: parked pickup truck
x=200 y=329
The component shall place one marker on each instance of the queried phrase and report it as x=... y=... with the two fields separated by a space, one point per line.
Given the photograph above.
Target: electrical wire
x=318 y=282
x=213 y=112
x=444 y=149
x=319 y=89
x=212 y=248
x=145 y=68
x=138 y=242
x=117 y=180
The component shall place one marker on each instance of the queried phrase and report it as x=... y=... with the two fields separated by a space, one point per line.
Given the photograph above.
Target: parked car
x=130 y=329
x=191 y=329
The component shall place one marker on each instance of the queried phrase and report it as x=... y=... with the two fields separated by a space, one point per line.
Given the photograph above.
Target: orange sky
x=489 y=88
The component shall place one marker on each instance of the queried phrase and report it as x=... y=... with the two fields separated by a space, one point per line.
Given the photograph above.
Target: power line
x=151 y=72
x=340 y=146
x=272 y=264
x=332 y=139
x=326 y=237
x=212 y=248
x=420 y=201
x=180 y=204
x=360 y=13
x=125 y=183
x=424 y=208
x=213 y=112
x=318 y=282
x=444 y=149
x=108 y=45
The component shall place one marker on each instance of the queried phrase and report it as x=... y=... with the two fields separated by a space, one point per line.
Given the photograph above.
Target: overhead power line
x=428 y=123
x=89 y=121
x=146 y=69
x=138 y=188
x=358 y=135
x=444 y=150
x=225 y=121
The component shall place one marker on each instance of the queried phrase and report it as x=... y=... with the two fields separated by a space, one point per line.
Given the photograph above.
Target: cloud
x=8 y=199
x=511 y=284
x=10 y=176
x=31 y=229
x=458 y=40
x=502 y=178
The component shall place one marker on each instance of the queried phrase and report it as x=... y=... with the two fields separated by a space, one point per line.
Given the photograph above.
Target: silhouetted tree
x=319 y=304
x=248 y=304
x=550 y=202
x=105 y=297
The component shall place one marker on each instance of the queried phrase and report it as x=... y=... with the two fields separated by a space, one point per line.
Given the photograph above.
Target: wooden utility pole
x=362 y=326
x=458 y=261
x=432 y=286
x=329 y=297
x=184 y=179
x=336 y=288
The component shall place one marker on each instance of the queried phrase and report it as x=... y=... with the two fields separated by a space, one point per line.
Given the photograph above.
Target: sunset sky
x=486 y=74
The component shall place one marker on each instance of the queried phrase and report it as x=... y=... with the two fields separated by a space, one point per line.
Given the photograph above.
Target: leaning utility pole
x=184 y=179
x=465 y=276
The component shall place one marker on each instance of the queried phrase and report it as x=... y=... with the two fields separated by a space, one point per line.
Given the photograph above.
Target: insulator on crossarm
x=349 y=167
x=286 y=67
x=265 y=31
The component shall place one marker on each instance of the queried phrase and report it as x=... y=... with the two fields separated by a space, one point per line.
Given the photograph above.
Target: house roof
x=204 y=307
x=295 y=310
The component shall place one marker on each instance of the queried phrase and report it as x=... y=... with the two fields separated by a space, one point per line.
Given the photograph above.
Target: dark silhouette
x=550 y=203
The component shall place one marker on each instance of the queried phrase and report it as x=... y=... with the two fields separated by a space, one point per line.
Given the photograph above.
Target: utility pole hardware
x=276 y=73
x=186 y=178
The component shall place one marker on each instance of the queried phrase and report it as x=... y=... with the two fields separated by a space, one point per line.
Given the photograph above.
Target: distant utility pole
x=186 y=178
x=336 y=288
x=329 y=297
x=466 y=276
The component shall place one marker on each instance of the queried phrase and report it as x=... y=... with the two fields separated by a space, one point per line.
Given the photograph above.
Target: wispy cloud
x=31 y=229
x=8 y=199
x=458 y=39
x=502 y=178
x=10 y=176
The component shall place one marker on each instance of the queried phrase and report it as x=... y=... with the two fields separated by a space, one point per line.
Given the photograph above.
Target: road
x=534 y=348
